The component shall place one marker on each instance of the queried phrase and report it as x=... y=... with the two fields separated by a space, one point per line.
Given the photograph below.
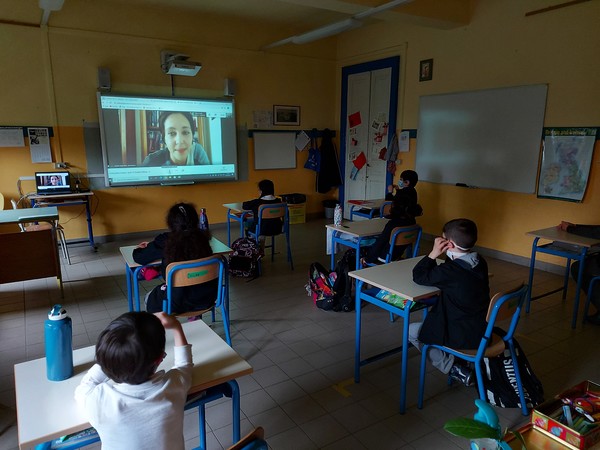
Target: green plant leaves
x=471 y=429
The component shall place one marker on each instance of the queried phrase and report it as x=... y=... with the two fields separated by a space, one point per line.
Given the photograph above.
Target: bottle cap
x=57 y=313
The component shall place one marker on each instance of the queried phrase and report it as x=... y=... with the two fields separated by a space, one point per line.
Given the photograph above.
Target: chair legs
x=63 y=244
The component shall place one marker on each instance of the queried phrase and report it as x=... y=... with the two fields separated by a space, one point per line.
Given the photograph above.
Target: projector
x=183 y=67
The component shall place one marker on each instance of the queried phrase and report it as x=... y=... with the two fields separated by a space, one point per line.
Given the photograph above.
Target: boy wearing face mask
x=458 y=318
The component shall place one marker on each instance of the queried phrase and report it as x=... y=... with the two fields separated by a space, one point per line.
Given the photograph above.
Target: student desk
x=565 y=245
x=132 y=270
x=371 y=207
x=239 y=214
x=74 y=199
x=352 y=234
x=47 y=410
x=395 y=277
x=33 y=254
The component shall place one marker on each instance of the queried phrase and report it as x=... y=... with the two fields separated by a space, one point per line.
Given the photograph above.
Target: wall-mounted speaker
x=229 y=87
x=104 y=79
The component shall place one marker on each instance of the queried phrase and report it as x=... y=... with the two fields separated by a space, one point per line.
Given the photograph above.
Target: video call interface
x=150 y=140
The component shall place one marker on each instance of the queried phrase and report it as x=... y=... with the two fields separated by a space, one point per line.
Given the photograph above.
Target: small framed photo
x=426 y=70
x=286 y=115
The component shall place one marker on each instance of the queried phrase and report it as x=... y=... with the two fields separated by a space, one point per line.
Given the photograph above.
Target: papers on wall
x=302 y=140
x=39 y=145
x=403 y=141
x=11 y=137
x=262 y=119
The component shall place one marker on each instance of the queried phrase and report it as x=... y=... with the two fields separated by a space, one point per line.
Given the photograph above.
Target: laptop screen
x=53 y=182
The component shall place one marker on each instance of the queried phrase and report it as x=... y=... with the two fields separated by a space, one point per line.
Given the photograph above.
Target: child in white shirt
x=129 y=403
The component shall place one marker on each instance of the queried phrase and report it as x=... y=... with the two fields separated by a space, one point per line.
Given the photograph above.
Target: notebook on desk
x=53 y=183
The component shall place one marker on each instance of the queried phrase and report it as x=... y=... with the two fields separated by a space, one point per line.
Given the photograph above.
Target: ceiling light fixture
x=336 y=27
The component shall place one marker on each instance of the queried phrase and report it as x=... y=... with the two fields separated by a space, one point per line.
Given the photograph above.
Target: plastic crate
x=297 y=213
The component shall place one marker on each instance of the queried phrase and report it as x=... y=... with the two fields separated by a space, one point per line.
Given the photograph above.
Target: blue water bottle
x=58 y=335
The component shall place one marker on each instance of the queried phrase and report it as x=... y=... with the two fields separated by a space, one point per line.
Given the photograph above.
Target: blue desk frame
x=60 y=200
x=564 y=245
x=372 y=206
x=395 y=277
x=236 y=213
x=360 y=237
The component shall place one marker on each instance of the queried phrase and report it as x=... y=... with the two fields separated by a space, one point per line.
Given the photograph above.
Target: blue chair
x=589 y=296
x=198 y=271
x=273 y=211
x=255 y=440
x=504 y=305
x=385 y=209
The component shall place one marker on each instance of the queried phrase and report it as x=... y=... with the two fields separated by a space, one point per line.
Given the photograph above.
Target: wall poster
x=566 y=160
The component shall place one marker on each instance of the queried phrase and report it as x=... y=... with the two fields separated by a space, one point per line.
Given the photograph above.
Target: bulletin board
x=274 y=150
x=489 y=138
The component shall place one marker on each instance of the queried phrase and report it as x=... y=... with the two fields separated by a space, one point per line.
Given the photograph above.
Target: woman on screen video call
x=178 y=130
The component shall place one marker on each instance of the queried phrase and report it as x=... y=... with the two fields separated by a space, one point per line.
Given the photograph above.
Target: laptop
x=53 y=183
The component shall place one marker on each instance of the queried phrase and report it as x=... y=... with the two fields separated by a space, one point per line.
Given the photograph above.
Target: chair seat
x=195 y=313
x=495 y=348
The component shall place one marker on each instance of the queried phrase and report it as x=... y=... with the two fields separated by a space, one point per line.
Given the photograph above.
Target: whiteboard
x=489 y=138
x=274 y=150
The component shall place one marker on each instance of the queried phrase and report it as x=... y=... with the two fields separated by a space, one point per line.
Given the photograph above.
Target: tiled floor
x=301 y=390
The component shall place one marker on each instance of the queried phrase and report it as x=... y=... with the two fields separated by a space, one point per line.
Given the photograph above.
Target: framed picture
x=426 y=70
x=286 y=115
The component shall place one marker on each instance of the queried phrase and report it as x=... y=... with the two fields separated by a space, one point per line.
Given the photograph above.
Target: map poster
x=566 y=162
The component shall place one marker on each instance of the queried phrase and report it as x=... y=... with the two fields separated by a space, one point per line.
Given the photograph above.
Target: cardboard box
x=297 y=213
x=544 y=418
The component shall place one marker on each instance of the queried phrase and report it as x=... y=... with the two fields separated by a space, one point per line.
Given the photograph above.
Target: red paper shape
x=360 y=161
x=354 y=119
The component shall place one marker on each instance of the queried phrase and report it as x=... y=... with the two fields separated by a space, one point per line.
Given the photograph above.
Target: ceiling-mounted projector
x=178 y=64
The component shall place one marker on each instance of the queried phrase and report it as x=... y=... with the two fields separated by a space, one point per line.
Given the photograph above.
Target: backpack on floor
x=243 y=261
x=344 y=285
x=500 y=382
x=320 y=286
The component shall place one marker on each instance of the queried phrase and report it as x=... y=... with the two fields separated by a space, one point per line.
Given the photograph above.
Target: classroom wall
x=52 y=74
x=500 y=47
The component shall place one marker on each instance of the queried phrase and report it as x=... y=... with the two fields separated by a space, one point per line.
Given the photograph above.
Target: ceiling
x=288 y=17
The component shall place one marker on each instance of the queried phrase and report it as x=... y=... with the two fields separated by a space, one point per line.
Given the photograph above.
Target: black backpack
x=500 y=382
x=344 y=285
x=243 y=261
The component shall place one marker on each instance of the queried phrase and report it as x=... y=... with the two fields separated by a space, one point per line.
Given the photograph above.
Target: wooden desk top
x=396 y=277
x=218 y=248
x=47 y=410
x=28 y=214
x=235 y=206
x=361 y=228
x=556 y=234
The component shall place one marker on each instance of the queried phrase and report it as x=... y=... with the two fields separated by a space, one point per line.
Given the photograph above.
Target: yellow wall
x=501 y=47
x=52 y=77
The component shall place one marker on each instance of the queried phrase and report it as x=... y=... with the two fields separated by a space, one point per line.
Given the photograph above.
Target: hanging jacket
x=329 y=175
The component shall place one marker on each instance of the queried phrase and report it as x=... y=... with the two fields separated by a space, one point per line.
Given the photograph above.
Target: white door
x=369 y=112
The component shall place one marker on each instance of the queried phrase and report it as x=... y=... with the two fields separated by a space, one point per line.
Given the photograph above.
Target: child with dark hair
x=458 y=318
x=406 y=187
x=266 y=196
x=402 y=214
x=184 y=241
x=125 y=399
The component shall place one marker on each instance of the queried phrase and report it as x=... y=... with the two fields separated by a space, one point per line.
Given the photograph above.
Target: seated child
x=183 y=242
x=266 y=196
x=406 y=187
x=458 y=318
x=402 y=214
x=129 y=403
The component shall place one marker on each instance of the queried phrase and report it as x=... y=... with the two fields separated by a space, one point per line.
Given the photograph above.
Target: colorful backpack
x=243 y=261
x=320 y=286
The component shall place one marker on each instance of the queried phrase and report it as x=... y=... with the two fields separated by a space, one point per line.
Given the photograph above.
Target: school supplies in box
x=580 y=404
x=394 y=299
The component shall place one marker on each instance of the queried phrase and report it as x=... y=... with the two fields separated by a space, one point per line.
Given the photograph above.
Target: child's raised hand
x=168 y=321
x=440 y=245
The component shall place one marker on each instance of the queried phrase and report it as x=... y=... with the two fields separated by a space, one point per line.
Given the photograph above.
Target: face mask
x=453 y=255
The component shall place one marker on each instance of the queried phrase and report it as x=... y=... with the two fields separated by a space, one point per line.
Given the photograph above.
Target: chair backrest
x=385 y=209
x=506 y=305
x=409 y=236
x=273 y=211
x=196 y=271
